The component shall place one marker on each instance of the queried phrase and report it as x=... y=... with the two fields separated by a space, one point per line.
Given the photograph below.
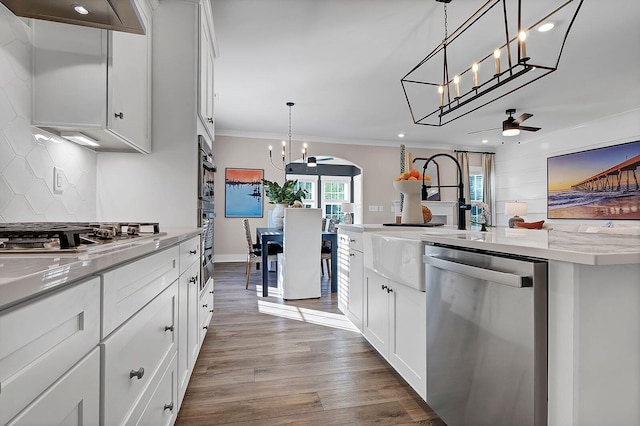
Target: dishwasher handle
x=454 y=265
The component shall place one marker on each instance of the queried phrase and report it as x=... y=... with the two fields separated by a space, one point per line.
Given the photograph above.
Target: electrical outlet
x=373 y=208
x=58 y=180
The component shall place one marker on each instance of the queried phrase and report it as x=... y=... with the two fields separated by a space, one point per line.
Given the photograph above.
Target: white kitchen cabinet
x=42 y=339
x=206 y=310
x=351 y=276
x=95 y=82
x=72 y=400
x=161 y=408
x=207 y=53
x=394 y=322
x=127 y=289
x=134 y=355
x=188 y=326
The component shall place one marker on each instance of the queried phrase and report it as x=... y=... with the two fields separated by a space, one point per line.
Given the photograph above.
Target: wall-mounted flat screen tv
x=601 y=183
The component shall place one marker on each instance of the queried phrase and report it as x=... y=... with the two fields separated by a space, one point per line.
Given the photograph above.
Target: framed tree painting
x=243 y=190
x=599 y=183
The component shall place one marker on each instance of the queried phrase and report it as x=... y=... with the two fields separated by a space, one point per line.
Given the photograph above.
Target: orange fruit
x=414 y=173
x=413 y=178
x=405 y=176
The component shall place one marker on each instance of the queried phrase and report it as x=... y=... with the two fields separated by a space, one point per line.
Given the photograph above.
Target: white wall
x=521 y=169
x=380 y=166
x=26 y=163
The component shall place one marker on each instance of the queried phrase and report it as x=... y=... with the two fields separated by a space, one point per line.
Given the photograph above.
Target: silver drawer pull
x=193 y=280
x=193 y=251
x=168 y=328
x=384 y=287
x=210 y=310
x=205 y=306
x=138 y=374
x=352 y=254
x=205 y=327
x=119 y=115
x=352 y=241
x=169 y=407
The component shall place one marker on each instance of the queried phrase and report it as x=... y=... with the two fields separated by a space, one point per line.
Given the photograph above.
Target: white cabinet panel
x=42 y=339
x=127 y=289
x=133 y=355
x=189 y=253
x=351 y=276
x=394 y=322
x=161 y=408
x=206 y=67
x=188 y=325
x=73 y=400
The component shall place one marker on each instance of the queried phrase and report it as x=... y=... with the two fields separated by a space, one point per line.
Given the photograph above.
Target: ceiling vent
x=116 y=15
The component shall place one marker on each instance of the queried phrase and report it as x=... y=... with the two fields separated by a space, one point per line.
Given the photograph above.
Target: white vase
x=278 y=216
x=411 y=206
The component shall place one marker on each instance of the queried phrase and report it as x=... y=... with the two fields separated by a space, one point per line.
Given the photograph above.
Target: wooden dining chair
x=254 y=251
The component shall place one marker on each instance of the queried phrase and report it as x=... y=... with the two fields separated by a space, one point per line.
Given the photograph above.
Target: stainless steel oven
x=206 y=208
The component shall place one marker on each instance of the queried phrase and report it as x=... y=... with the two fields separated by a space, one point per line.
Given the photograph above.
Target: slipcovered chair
x=254 y=251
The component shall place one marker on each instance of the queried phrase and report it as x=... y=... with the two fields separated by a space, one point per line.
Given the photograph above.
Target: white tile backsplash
x=26 y=163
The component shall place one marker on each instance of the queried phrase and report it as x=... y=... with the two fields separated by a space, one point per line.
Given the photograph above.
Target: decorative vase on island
x=411 y=205
x=278 y=216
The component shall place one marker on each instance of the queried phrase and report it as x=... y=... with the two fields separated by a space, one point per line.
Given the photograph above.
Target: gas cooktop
x=39 y=237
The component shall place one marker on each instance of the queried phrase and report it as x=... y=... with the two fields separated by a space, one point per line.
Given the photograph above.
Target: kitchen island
x=593 y=314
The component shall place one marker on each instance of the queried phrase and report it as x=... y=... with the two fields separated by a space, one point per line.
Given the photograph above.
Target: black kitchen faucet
x=462 y=205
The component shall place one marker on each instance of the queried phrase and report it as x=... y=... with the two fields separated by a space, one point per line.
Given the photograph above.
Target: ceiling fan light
x=311 y=162
x=510 y=132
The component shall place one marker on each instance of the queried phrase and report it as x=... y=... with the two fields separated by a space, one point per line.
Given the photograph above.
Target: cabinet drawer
x=353 y=239
x=127 y=289
x=72 y=400
x=161 y=407
x=42 y=339
x=139 y=346
x=189 y=253
x=206 y=309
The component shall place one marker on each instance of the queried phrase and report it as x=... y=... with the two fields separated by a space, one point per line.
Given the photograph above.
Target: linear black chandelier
x=493 y=53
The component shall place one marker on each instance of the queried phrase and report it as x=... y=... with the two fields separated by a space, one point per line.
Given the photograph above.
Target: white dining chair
x=298 y=267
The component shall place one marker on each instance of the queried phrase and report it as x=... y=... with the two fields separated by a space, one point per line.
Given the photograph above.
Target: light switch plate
x=373 y=208
x=58 y=180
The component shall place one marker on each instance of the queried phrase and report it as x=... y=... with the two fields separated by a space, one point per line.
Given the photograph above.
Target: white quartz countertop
x=24 y=276
x=575 y=247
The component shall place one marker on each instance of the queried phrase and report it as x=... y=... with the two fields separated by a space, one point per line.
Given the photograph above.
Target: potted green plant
x=285 y=194
x=282 y=196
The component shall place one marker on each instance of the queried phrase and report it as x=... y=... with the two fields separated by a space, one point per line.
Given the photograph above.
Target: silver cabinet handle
x=169 y=407
x=352 y=254
x=193 y=280
x=193 y=251
x=138 y=374
x=210 y=119
x=119 y=115
x=352 y=241
x=384 y=287
x=168 y=328
x=205 y=306
x=205 y=327
x=491 y=275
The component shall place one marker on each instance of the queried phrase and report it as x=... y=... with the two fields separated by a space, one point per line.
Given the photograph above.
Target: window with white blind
x=475 y=191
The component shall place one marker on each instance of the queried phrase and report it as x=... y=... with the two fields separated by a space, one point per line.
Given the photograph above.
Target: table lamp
x=515 y=208
x=347 y=209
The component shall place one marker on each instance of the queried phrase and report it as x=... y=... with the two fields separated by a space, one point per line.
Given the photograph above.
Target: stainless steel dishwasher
x=486 y=337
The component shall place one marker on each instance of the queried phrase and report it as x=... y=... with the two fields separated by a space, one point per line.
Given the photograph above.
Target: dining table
x=266 y=236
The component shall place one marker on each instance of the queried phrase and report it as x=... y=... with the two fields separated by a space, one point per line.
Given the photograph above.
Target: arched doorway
x=333 y=182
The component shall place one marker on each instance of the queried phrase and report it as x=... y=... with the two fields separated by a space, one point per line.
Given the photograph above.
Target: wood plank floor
x=270 y=362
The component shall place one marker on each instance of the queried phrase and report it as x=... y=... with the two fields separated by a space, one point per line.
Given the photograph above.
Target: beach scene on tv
x=600 y=183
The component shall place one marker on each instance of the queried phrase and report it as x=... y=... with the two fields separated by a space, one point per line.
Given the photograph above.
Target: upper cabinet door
x=129 y=112
x=206 y=67
x=95 y=82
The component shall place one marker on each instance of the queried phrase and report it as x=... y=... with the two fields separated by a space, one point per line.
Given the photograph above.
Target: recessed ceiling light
x=401 y=135
x=484 y=141
x=80 y=9
x=547 y=26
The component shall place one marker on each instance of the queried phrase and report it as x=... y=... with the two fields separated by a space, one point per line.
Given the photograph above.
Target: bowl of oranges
x=410 y=184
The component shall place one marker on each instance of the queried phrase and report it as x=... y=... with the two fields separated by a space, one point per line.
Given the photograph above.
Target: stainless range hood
x=117 y=15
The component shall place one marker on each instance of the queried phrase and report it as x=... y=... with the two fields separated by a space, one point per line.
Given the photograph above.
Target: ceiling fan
x=511 y=126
